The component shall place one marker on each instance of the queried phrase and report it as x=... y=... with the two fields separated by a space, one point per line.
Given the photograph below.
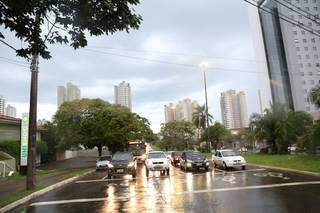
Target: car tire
x=168 y=172
x=225 y=167
x=147 y=172
x=134 y=174
x=243 y=167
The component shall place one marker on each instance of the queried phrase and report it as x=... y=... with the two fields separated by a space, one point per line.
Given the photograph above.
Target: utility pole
x=31 y=168
x=207 y=112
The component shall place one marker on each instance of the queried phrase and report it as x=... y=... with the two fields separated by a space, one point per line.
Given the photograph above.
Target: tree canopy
x=177 y=135
x=71 y=21
x=279 y=127
x=217 y=133
x=96 y=123
x=199 y=117
x=315 y=96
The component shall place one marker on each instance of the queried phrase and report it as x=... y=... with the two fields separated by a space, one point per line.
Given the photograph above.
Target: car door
x=218 y=158
x=183 y=159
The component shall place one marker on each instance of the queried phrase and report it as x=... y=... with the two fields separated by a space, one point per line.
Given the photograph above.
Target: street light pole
x=204 y=67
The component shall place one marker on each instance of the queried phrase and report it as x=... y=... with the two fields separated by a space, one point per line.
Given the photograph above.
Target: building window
x=302 y=73
x=315 y=8
x=304 y=40
x=295 y=32
x=299 y=57
x=303 y=32
x=314 y=48
x=316 y=56
x=303 y=81
x=301 y=65
x=310 y=73
x=298 y=48
x=307 y=56
x=312 y=82
x=313 y=40
x=309 y=64
x=306 y=48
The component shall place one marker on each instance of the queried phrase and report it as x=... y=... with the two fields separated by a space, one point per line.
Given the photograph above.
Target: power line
x=15 y=63
x=290 y=8
x=13 y=60
x=283 y=17
x=216 y=69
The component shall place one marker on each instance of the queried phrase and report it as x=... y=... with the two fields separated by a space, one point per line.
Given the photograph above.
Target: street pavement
x=253 y=190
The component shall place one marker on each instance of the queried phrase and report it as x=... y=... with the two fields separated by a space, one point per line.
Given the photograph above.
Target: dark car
x=122 y=163
x=175 y=158
x=194 y=161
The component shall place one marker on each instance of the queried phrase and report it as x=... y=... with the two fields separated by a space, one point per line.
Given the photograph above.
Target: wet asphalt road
x=253 y=190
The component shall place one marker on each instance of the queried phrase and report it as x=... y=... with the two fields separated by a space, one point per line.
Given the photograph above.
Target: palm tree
x=315 y=96
x=199 y=118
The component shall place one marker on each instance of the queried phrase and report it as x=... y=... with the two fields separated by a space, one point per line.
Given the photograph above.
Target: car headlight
x=207 y=163
x=131 y=164
x=189 y=164
x=110 y=166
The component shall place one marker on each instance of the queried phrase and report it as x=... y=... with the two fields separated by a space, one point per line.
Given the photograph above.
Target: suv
x=226 y=158
x=191 y=160
x=122 y=163
x=157 y=161
x=102 y=162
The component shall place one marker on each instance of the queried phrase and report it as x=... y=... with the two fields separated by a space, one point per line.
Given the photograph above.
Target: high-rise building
x=122 y=94
x=2 y=105
x=11 y=111
x=68 y=93
x=181 y=111
x=288 y=53
x=233 y=109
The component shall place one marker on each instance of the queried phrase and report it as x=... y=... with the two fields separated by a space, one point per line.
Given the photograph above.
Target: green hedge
x=13 y=148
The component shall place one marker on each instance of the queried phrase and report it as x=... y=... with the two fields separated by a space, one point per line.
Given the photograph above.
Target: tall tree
x=95 y=123
x=315 y=96
x=199 y=118
x=70 y=23
x=279 y=127
x=177 y=135
x=217 y=133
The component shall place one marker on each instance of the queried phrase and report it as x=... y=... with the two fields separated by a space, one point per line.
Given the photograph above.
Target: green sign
x=24 y=140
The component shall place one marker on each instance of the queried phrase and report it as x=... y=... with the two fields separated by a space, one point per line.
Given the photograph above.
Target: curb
x=286 y=169
x=41 y=192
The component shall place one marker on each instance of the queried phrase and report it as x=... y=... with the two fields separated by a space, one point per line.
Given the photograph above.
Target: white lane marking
x=110 y=180
x=178 y=193
x=249 y=187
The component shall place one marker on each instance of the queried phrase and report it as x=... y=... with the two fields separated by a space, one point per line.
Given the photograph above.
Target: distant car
x=226 y=158
x=157 y=161
x=102 y=162
x=191 y=160
x=243 y=149
x=122 y=163
x=168 y=154
x=175 y=158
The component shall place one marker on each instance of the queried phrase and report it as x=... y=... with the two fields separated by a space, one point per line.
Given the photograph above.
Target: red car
x=175 y=158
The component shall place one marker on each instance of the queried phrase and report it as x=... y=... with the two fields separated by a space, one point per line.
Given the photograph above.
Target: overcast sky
x=180 y=33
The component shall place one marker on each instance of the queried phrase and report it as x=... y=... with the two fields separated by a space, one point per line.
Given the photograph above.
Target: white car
x=102 y=162
x=226 y=158
x=157 y=161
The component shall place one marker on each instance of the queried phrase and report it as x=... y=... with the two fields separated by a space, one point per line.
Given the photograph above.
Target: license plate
x=158 y=167
x=120 y=170
x=199 y=164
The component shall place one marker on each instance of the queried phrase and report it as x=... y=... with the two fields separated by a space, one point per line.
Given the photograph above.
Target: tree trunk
x=100 y=150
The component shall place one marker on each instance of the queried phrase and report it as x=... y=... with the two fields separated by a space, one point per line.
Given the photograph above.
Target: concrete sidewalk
x=12 y=185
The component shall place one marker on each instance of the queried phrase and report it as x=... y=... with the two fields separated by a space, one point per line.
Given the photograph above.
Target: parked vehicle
x=226 y=158
x=191 y=160
x=168 y=154
x=157 y=161
x=138 y=149
x=122 y=163
x=102 y=162
x=175 y=158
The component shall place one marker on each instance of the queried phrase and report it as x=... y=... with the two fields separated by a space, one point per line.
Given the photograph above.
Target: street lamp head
x=204 y=65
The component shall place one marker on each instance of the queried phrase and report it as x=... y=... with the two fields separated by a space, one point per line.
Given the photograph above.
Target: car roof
x=224 y=150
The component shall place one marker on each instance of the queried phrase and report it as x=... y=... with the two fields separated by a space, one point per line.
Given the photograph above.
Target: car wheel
x=225 y=167
x=147 y=172
x=243 y=167
x=168 y=172
x=207 y=168
x=134 y=174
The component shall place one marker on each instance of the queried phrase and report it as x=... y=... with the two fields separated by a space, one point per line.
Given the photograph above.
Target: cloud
x=172 y=31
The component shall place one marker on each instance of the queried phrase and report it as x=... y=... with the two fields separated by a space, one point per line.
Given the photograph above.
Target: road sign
x=24 y=140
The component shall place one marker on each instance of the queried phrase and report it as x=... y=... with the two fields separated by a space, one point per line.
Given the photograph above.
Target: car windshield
x=103 y=158
x=121 y=156
x=228 y=153
x=156 y=155
x=193 y=155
